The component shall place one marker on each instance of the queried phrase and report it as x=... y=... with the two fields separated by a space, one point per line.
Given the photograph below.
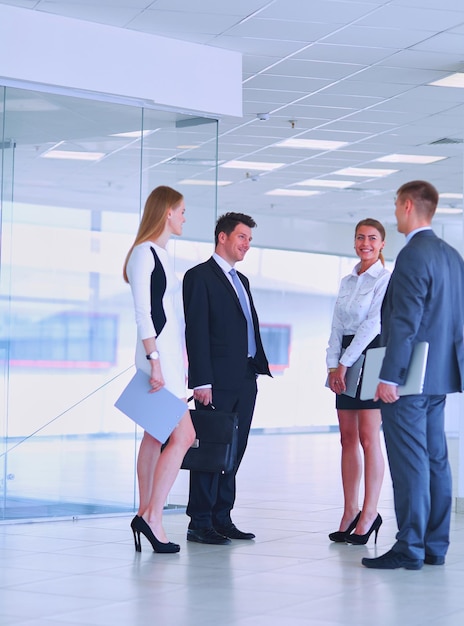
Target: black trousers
x=212 y=496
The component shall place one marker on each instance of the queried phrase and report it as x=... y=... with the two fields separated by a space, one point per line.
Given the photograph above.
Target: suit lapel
x=225 y=281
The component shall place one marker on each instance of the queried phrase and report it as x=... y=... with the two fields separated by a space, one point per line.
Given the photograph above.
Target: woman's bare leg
x=351 y=465
x=165 y=473
x=374 y=466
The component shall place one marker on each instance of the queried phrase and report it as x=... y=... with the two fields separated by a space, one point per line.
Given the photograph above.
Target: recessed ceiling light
x=457 y=196
x=447 y=211
x=73 y=155
x=420 y=159
x=292 y=192
x=186 y=147
x=453 y=80
x=135 y=134
x=252 y=165
x=364 y=172
x=208 y=183
x=319 y=182
x=311 y=144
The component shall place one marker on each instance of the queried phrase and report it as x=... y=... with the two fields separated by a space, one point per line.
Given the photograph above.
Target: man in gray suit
x=424 y=302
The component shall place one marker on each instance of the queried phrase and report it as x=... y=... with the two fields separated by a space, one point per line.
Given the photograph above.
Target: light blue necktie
x=246 y=311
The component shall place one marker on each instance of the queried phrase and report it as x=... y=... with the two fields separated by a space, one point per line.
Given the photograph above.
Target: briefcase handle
x=210 y=404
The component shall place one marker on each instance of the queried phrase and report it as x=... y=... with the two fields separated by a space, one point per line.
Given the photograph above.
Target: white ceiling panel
x=338 y=53
x=327 y=11
x=178 y=22
x=303 y=32
x=447 y=43
x=379 y=36
x=314 y=69
x=345 y=70
x=433 y=20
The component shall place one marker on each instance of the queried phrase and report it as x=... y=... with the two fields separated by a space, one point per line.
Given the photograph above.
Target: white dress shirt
x=357 y=312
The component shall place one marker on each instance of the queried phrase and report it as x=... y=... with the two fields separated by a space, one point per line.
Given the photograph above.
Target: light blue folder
x=158 y=413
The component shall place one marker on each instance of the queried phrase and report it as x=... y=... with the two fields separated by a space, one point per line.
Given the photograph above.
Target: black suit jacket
x=216 y=329
x=425 y=302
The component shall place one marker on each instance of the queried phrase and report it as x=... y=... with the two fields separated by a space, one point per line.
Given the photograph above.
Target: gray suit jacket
x=425 y=302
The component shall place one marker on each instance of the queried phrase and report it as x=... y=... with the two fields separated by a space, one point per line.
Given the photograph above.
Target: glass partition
x=75 y=175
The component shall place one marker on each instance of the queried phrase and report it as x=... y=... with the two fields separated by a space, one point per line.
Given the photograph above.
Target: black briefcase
x=215 y=445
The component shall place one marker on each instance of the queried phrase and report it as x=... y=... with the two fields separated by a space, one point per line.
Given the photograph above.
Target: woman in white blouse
x=356 y=327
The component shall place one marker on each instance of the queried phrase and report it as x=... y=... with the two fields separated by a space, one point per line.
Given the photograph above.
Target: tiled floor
x=86 y=572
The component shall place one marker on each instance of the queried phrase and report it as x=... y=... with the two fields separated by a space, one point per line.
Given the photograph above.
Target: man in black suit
x=424 y=302
x=225 y=356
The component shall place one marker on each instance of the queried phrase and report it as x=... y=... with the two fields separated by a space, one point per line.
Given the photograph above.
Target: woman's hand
x=156 y=378
x=337 y=379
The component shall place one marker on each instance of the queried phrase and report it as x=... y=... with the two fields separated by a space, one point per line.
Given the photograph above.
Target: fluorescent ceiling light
x=446 y=211
x=210 y=183
x=457 y=196
x=135 y=134
x=319 y=182
x=311 y=144
x=73 y=155
x=420 y=159
x=252 y=165
x=292 y=192
x=364 y=172
x=453 y=80
x=186 y=147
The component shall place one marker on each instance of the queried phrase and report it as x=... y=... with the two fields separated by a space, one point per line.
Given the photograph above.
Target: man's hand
x=204 y=396
x=387 y=393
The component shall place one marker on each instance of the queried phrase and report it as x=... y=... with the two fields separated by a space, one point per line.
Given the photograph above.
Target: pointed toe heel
x=361 y=540
x=139 y=525
x=339 y=536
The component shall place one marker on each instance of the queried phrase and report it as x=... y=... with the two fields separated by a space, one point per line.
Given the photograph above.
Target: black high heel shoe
x=339 y=536
x=139 y=525
x=361 y=540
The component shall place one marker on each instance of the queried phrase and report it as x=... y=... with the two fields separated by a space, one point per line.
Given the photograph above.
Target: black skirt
x=348 y=403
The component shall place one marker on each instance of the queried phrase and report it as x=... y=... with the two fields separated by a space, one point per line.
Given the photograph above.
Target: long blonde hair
x=161 y=200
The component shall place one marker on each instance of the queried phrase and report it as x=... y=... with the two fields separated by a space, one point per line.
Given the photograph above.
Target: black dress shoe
x=393 y=560
x=234 y=533
x=433 y=559
x=207 y=535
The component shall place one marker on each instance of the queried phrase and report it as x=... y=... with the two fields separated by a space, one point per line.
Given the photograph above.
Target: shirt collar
x=374 y=270
x=225 y=267
x=414 y=232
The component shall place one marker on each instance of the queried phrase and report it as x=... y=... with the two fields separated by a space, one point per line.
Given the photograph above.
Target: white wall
x=41 y=48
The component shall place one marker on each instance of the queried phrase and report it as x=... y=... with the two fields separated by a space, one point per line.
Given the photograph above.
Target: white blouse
x=357 y=312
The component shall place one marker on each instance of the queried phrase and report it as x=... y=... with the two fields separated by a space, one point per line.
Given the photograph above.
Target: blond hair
x=157 y=206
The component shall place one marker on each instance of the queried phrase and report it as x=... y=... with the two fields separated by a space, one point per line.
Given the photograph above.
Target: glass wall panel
x=82 y=170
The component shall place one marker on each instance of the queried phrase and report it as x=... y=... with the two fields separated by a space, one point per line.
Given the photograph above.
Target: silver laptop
x=158 y=413
x=416 y=372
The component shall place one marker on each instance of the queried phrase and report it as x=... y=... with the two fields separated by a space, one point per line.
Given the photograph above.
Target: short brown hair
x=423 y=194
x=227 y=223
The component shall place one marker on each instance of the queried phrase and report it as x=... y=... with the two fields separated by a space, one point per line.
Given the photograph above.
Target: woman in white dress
x=355 y=328
x=157 y=297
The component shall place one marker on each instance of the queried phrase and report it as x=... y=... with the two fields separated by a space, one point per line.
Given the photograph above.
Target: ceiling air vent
x=446 y=141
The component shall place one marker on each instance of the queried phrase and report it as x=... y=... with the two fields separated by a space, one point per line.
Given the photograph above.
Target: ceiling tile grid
x=356 y=72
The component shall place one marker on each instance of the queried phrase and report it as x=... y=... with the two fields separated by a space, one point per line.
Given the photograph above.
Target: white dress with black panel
x=157 y=295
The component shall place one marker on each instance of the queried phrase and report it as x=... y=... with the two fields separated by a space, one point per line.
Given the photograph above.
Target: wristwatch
x=153 y=356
